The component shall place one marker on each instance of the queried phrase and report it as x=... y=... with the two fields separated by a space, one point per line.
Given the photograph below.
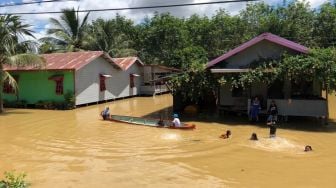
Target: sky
x=40 y=22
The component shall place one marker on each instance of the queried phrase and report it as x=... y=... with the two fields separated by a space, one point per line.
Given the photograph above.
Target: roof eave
x=265 y=36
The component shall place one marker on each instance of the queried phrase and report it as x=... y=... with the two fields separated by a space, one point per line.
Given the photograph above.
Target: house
x=293 y=99
x=91 y=76
x=154 y=79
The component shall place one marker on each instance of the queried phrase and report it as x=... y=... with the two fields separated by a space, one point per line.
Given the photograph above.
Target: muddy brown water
x=77 y=149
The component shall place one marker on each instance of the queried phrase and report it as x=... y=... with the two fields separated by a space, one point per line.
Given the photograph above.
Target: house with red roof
x=296 y=99
x=90 y=77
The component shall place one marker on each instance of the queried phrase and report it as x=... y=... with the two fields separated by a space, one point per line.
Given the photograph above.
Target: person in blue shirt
x=255 y=108
x=106 y=113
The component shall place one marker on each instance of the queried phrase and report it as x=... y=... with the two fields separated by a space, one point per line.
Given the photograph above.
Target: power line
x=134 y=8
x=34 y=2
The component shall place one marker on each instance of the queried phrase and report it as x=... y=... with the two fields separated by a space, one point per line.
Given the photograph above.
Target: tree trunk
x=1 y=102
x=1 y=88
x=327 y=101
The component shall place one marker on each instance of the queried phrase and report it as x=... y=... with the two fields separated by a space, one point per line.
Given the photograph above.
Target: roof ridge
x=264 y=36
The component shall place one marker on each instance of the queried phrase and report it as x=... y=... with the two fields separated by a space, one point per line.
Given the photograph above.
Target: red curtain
x=102 y=85
x=131 y=80
x=59 y=83
x=59 y=87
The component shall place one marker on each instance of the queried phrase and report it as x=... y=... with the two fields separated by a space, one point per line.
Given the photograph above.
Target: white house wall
x=87 y=82
x=226 y=98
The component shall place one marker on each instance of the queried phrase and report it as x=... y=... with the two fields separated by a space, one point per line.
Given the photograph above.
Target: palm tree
x=13 y=52
x=68 y=31
x=106 y=35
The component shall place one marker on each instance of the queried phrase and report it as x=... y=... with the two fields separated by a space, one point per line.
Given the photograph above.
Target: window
x=131 y=80
x=59 y=83
x=59 y=87
x=102 y=85
x=7 y=88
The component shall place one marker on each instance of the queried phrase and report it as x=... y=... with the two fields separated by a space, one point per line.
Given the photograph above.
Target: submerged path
x=76 y=149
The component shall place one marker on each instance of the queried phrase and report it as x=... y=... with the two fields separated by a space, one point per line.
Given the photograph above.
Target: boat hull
x=148 y=122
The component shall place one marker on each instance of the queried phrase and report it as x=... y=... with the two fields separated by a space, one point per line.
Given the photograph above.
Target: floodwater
x=77 y=149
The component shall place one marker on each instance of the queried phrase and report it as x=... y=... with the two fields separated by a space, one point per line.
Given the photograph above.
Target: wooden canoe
x=148 y=122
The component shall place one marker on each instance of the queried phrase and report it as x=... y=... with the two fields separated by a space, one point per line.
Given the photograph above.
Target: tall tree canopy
x=113 y=36
x=168 y=40
x=68 y=32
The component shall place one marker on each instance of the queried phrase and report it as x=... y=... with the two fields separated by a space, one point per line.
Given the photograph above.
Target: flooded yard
x=77 y=149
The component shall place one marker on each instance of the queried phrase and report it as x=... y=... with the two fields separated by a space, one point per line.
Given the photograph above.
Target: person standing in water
x=272 y=118
x=272 y=112
x=272 y=127
x=255 y=108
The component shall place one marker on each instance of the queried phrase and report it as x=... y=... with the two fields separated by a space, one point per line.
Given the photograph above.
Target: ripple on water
x=171 y=136
x=277 y=144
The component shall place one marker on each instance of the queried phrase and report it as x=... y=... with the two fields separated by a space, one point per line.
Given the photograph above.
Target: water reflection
x=171 y=136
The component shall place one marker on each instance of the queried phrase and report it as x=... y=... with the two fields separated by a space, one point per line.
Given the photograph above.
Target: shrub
x=13 y=180
x=70 y=100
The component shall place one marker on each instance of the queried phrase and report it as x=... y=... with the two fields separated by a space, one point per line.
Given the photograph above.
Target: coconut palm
x=110 y=36
x=13 y=52
x=68 y=31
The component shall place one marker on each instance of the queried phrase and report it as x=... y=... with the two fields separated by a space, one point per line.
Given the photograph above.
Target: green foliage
x=325 y=25
x=193 y=84
x=70 y=100
x=114 y=36
x=13 y=180
x=69 y=32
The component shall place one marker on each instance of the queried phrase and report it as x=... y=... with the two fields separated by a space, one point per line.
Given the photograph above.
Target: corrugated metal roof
x=68 y=61
x=126 y=62
x=265 y=36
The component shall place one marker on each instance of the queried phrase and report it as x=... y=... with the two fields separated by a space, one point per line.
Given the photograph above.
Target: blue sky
x=40 y=22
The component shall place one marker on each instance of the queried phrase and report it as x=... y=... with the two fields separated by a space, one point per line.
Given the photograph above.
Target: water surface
x=77 y=149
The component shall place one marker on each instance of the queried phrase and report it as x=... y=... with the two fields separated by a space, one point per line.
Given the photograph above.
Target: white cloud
x=39 y=21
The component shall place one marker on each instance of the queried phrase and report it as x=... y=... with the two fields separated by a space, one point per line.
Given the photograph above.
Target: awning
x=56 y=77
x=135 y=75
x=106 y=75
x=235 y=70
x=165 y=78
x=229 y=70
